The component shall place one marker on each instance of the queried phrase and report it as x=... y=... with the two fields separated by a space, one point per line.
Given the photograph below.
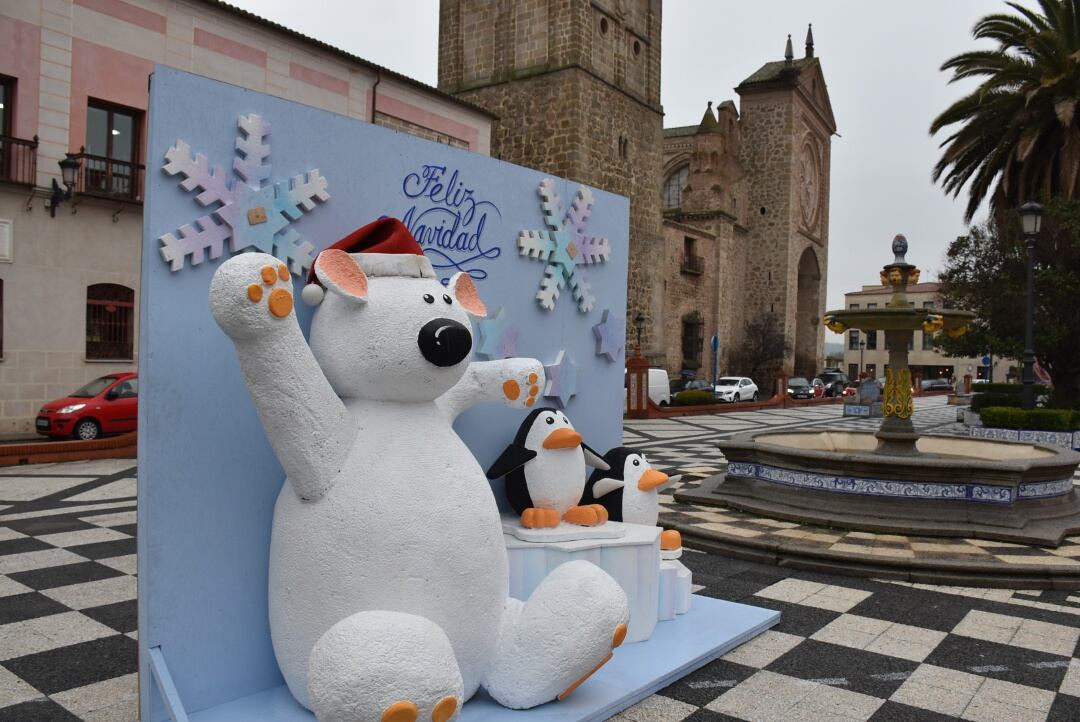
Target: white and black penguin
x=628 y=490
x=545 y=472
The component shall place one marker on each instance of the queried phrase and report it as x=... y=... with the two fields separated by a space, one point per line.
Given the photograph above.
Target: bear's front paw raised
x=250 y=294
x=523 y=382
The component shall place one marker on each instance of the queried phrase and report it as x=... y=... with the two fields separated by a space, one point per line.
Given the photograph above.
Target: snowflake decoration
x=251 y=213
x=565 y=245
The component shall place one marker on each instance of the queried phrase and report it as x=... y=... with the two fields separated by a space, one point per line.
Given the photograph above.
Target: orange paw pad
x=401 y=712
x=619 y=636
x=511 y=389
x=444 y=709
x=280 y=302
x=533 y=378
x=530 y=401
x=283 y=272
x=534 y=390
x=255 y=292
x=575 y=685
x=269 y=275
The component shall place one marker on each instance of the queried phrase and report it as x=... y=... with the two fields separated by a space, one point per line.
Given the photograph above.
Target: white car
x=659 y=388
x=732 y=389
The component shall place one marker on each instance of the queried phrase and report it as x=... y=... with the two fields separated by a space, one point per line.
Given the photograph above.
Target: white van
x=659 y=388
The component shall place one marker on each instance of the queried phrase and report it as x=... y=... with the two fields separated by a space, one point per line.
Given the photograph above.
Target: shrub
x=981 y=401
x=1007 y=417
x=694 y=398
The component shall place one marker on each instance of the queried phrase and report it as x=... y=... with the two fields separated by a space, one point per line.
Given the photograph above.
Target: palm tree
x=1020 y=126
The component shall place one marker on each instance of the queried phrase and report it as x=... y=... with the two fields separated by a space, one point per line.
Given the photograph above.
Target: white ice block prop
x=633 y=560
x=675 y=583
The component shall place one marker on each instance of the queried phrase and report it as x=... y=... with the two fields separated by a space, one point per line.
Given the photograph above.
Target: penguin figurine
x=628 y=490
x=545 y=472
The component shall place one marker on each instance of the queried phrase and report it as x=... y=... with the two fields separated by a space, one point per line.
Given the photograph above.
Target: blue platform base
x=710 y=629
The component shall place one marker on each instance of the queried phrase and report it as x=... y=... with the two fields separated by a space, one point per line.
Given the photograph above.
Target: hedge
x=983 y=400
x=1003 y=388
x=695 y=397
x=1007 y=417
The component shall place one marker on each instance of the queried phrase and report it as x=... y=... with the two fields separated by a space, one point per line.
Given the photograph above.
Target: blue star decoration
x=610 y=335
x=250 y=212
x=498 y=337
x=566 y=247
x=562 y=378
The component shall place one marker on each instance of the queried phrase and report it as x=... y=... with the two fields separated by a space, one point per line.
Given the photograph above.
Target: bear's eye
x=637 y=463
x=550 y=419
x=446 y=298
x=429 y=298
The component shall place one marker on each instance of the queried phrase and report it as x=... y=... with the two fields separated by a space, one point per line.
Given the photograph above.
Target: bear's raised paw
x=250 y=293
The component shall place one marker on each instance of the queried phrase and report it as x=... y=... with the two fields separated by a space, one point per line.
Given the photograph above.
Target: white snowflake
x=565 y=245
x=252 y=212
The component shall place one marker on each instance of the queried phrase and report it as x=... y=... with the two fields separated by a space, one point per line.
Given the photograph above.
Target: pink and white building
x=73 y=82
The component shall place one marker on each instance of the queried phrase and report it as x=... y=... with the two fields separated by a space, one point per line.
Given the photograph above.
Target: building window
x=7 y=105
x=871 y=340
x=624 y=147
x=927 y=341
x=112 y=149
x=871 y=371
x=1 y=318
x=927 y=304
x=110 y=322
x=693 y=341
x=853 y=340
x=673 y=187
x=854 y=307
x=853 y=371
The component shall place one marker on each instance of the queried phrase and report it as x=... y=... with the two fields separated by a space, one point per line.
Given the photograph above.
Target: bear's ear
x=338 y=272
x=466 y=294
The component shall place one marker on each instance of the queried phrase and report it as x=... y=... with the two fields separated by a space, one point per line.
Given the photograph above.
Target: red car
x=108 y=405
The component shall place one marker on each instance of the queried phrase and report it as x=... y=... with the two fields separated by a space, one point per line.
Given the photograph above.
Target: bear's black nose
x=444 y=342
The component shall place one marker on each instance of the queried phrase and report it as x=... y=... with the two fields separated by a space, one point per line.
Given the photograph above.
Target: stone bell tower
x=787 y=126
x=576 y=88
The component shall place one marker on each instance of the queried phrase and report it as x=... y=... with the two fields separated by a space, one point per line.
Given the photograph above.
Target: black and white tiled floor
x=845 y=648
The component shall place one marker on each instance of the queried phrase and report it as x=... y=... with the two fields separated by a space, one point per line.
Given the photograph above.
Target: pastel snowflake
x=566 y=246
x=251 y=211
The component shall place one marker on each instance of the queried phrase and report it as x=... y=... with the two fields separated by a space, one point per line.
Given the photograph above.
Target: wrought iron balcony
x=107 y=178
x=693 y=264
x=18 y=160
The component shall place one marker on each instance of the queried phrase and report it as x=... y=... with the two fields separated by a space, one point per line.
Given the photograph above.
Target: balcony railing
x=18 y=160
x=693 y=264
x=107 y=178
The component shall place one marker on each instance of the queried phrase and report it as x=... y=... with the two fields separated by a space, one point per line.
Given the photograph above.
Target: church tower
x=575 y=85
x=787 y=125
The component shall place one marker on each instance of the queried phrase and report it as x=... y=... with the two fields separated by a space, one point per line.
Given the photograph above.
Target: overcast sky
x=880 y=61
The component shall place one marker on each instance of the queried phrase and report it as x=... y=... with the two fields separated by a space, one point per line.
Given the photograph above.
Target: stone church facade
x=728 y=219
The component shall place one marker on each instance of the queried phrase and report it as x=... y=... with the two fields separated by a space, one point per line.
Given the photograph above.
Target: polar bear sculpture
x=388 y=586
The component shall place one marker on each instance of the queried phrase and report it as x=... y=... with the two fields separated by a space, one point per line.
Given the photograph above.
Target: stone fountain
x=895 y=480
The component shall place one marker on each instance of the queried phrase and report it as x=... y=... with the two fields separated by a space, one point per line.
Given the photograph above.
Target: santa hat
x=381 y=248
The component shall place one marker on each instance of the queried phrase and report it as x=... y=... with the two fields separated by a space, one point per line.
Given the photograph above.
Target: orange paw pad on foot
x=619 y=636
x=511 y=389
x=575 y=685
x=533 y=378
x=444 y=709
x=670 y=539
x=400 y=712
x=255 y=293
x=583 y=515
x=283 y=272
x=539 y=518
x=530 y=401
x=269 y=275
x=280 y=302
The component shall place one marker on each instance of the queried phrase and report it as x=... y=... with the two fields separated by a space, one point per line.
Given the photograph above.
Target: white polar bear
x=388 y=585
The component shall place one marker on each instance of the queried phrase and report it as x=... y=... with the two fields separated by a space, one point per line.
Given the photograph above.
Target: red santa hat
x=386 y=245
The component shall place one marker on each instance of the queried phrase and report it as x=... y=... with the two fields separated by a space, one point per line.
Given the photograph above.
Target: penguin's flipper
x=606 y=485
x=513 y=457
x=595 y=460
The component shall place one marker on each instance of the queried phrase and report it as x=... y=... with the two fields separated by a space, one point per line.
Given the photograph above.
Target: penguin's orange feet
x=583 y=515
x=575 y=685
x=601 y=511
x=403 y=711
x=444 y=709
x=539 y=518
x=670 y=539
x=619 y=636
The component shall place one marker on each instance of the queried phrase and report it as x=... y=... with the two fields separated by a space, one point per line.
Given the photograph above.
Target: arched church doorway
x=807 y=308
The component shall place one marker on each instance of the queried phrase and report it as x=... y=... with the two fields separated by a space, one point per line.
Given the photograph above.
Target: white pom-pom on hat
x=312 y=294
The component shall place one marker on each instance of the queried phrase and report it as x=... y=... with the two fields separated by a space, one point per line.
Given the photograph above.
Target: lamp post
x=1031 y=218
x=862 y=347
x=69 y=168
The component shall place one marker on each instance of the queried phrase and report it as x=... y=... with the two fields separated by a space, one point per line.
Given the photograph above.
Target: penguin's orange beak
x=562 y=439
x=651 y=479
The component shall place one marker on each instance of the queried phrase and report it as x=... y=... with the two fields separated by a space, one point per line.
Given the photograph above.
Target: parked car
x=799 y=388
x=106 y=405
x=698 y=385
x=834 y=381
x=819 y=388
x=733 y=389
x=936 y=385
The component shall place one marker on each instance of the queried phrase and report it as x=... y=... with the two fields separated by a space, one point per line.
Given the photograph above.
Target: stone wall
x=404 y=126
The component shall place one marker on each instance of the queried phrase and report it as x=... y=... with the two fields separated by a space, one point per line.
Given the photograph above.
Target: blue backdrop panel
x=207 y=476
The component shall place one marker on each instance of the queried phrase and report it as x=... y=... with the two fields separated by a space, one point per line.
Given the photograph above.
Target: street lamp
x=69 y=169
x=862 y=347
x=639 y=324
x=1031 y=218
